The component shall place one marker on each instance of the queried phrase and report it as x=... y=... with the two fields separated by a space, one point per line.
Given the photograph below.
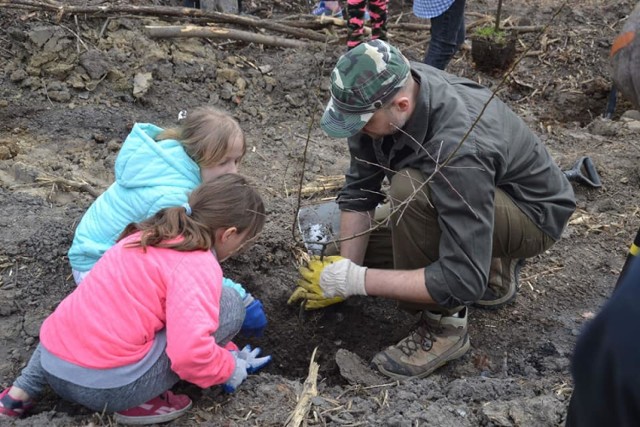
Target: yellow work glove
x=309 y=289
x=329 y=281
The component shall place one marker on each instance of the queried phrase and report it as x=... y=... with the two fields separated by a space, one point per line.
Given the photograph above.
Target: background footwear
x=503 y=283
x=13 y=408
x=166 y=407
x=436 y=340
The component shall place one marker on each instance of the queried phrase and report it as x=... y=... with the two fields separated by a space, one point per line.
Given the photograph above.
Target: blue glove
x=247 y=362
x=255 y=320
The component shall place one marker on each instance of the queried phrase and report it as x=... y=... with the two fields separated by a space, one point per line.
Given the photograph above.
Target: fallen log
x=61 y=9
x=221 y=33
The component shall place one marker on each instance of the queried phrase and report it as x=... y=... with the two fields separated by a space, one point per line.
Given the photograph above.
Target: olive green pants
x=409 y=235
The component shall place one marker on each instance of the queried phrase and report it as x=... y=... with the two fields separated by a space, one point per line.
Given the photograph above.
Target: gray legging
x=158 y=379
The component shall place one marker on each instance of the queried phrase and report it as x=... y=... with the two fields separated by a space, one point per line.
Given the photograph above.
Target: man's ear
x=403 y=103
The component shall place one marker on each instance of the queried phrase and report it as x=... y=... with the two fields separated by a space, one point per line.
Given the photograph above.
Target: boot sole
x=453 y=356
x=498 y=303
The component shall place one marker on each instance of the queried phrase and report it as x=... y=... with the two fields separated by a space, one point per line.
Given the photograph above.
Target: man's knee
x=408 y=184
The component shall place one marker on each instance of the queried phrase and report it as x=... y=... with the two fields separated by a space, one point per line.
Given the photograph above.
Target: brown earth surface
x=68 y=98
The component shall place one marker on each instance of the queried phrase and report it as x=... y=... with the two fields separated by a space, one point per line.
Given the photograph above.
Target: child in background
x=155 y=169
x=328 y=8
x=357 y=10
x=168 y=317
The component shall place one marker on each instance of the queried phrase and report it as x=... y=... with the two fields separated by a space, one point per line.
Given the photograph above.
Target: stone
x=95 y=63
x=141 y=84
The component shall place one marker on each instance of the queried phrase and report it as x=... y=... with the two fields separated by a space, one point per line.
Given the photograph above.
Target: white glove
x=238 y=376
x=343 y=279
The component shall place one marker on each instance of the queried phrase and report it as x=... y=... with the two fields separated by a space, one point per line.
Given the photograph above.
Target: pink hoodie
x=111 y=319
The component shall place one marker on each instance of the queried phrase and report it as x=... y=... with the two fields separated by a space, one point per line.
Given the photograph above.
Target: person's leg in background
x=355 y=25
x=447 y=35
x=378 y=13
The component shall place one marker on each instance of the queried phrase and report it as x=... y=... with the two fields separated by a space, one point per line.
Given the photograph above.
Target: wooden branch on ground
x=221 y=33
x=322 y=184
x=82 y=186
x=61 y=9
x=309 y=391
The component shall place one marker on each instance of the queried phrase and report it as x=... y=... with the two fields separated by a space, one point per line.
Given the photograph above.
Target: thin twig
x=306 y=148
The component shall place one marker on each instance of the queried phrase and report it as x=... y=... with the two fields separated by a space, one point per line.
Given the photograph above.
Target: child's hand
x=251 y=357
x=238 y=376
x=247 y=362
x=255 y=319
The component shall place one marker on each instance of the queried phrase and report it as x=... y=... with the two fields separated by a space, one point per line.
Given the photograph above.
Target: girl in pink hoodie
x=152 y=311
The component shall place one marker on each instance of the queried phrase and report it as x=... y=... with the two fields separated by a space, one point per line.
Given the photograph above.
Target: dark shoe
x=436 y=340
x=12 y=408
x=164 y=408
x=503 y=283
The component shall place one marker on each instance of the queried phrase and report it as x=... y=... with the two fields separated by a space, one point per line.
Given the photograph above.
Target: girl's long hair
x=206 y=134
x=223 y=202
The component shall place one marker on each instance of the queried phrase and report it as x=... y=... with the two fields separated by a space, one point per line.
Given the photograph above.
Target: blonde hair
x=223 y=202
x=206 y=134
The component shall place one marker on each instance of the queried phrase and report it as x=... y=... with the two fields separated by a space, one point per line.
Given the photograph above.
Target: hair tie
x=187 y=208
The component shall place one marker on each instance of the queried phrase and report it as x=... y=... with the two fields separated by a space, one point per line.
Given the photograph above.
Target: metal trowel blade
x=318 y=225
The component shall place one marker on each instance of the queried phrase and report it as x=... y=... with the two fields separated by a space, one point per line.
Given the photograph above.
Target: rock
x=227 y=75
x=8 y=149
x=32 y=325
x=603 y=127
x=241 y=84
x=59 y=95
x=631 y=115
x=227 y=91
x=39 y=36
x=18 y=75
x=355 y=370
x=10 y=327
x=264 y=69
x=633 y=126
x=95 y=63
x=141 y=84
x=270 y=82
x=545 y=410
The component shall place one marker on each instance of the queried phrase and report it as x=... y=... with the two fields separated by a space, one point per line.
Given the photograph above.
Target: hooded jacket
x=149 y=176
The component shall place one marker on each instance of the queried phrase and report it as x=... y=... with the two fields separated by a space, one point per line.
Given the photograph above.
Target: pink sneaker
x=166 y=407
x=12 y=408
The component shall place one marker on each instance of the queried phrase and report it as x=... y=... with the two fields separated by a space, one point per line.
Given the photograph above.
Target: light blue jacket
x=150 y=176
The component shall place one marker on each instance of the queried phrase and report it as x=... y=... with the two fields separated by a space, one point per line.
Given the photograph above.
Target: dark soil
x=67 y=101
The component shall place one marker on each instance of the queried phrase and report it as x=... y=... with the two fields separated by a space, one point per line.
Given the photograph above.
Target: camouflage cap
x=365 y=79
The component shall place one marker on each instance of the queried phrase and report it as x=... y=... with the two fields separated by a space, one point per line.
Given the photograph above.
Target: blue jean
x=447 y=35
x=158 y=379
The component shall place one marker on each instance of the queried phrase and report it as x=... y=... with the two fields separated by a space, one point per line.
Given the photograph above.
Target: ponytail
x=224 y=202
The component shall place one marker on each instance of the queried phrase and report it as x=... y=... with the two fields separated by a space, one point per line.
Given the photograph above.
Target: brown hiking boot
x=436 y=340
x=503 y=283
